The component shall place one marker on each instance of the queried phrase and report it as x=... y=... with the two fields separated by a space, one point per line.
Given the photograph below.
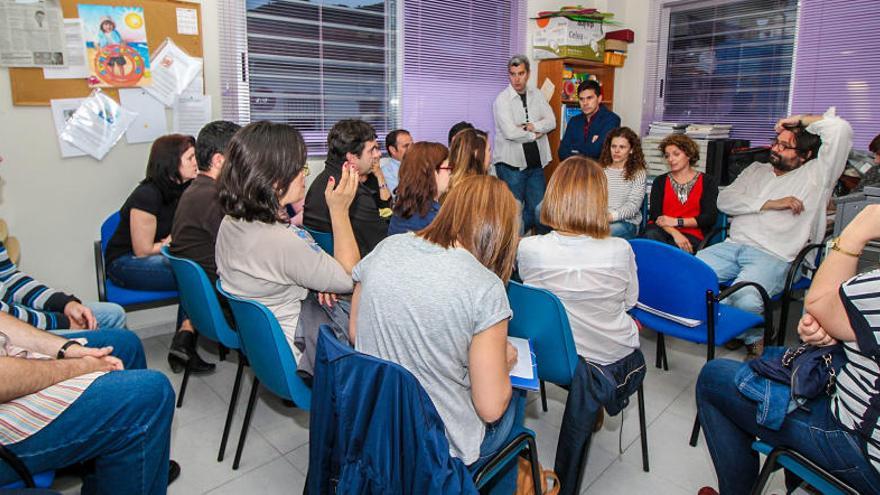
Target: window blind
x=838 y=64
x=723 y=62
x=455 y=62
x=310 y=64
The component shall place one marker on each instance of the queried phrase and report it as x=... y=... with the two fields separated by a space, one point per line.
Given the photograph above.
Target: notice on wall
x=32 y=34
x=190 y=114
x=187 y=21
x=151 y=121
x=62 y=111
x=77 y=66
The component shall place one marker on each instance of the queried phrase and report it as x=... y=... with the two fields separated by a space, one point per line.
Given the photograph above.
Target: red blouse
x=690 y=209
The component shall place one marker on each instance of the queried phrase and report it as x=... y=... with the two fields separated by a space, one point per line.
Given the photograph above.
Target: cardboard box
x=626 y=35
x=559 y=37
x=616 y=45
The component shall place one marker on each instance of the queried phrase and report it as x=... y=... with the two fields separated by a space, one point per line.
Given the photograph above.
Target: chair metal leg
x=710 y=353
x=643 y=429
x=695 y=433
x=533 y=458
x=222 y=350
x=543 y=396
x=783 y=319
x=187 y=371
x=665 y=355
x=247 y=423
x=660 y=347
x=231 y=411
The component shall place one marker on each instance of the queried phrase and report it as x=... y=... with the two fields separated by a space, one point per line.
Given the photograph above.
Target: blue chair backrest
x=539 y=316
x=673 y=280
x=108 y=228
x=721 y=228
x=267 y=350
x=324 y=239
x=200 y=302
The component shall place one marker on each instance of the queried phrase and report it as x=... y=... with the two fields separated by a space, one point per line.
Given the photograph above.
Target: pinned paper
x=97 y=125
x=187 y=21
x=547 y=89
x=151 y=122
x=173 y=72
x=77 y=65
x=191 y=114
x=62 y=111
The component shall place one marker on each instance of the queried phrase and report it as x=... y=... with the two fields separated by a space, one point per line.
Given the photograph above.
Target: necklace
x=682 y=191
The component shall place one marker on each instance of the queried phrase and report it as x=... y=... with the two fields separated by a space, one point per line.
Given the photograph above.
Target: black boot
x=183 y=353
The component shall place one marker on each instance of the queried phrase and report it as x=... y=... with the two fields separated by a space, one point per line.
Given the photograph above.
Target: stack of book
x=708 y=131
x=663 y=129
x=657 y=130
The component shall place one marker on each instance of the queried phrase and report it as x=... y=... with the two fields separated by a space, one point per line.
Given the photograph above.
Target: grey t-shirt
x=420 y=306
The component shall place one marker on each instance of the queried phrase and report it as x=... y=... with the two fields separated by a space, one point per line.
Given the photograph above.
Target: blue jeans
x=122 y=421
x=734 y=262
x=527 y=186
x=108 y=315
x=497 y=435
x=624 y=229
x=142 y=273
x=729 y=422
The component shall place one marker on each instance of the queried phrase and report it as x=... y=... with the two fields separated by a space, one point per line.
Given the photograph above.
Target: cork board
x=30 y=89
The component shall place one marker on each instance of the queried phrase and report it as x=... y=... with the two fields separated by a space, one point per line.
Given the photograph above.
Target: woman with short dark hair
x=260 y=255
x=684 y=202
x=424 y=177
x=133 y=256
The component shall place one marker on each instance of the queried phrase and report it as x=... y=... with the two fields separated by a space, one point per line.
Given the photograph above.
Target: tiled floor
x=275 y=458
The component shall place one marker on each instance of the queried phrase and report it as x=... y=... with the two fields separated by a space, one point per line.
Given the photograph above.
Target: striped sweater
x=856 y=401
x=26 y=415
x=625 y=197
x=29 y=300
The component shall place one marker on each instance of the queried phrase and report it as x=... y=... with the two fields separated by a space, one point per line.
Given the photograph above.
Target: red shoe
x=707 y=490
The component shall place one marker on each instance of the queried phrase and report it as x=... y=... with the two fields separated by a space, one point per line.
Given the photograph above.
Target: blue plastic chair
x=200 y=302
x=28 y=480
x=324 y=239
x=538 y=315
x=718 y=233
x=269 y=356
x=521 y=438
x=131 y=300
x=678 y=283
x=814 y=475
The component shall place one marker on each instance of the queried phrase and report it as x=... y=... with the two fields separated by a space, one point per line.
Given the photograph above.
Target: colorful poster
x=116 y=42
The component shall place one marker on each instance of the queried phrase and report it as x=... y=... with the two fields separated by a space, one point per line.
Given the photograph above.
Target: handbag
x=808 y=369
x=524 y=483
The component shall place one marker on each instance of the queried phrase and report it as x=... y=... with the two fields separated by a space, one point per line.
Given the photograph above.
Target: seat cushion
x=127 y=297
x=41 y=480
x=730 y=322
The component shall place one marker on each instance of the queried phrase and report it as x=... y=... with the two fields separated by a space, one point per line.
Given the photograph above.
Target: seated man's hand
x=812 y=333
x=106 y=363
x=97 y=359
x=787 y=203
x=790 y=121
x=81 y=317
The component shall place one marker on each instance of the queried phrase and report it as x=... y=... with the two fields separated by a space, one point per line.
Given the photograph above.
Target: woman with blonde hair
x=624 y=166
x=469 y=154
x=410 y=307
x=594 y=275
x=424 y=176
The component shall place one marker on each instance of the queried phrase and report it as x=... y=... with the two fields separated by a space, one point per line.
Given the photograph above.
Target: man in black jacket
x=354 y=142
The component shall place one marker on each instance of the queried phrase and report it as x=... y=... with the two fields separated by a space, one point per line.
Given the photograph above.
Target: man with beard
x=777 y=207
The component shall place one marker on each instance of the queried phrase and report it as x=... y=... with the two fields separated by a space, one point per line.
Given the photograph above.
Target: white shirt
x=390 y=168
x=597 y=283
x=509 y=134
x=779 y=232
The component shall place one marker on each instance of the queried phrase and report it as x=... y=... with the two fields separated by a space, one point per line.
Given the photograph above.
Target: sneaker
x=754 y=351
x=733 y=344
x=707 y=490
x=173 y=471
x=600 y=420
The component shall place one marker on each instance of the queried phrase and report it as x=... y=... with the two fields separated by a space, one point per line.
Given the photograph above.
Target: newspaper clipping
x=32 y=34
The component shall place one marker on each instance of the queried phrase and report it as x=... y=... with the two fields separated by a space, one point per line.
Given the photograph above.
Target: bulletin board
x=29 y=88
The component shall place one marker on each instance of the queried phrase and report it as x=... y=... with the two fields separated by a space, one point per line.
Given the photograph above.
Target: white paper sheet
x=688 y=322
x=62 y=110
x=77 y=65
x=187 y=21
x=191 y=114
x=547 y=89
x=151 y=121
x=32 y=34
x=523 y=368
x=196 y=87
x=172 y=72
x=97 y=125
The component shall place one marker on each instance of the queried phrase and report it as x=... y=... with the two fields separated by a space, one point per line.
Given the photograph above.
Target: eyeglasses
x=785 y=146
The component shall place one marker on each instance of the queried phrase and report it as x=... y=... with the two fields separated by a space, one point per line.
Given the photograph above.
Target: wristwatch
x=835 y=246
x=63 y=350
x=680 y=222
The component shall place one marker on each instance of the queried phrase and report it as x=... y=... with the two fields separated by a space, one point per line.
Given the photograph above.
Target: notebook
x=524 y=374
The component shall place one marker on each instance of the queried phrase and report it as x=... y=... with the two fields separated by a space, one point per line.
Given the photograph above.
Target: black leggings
x=656 y=233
